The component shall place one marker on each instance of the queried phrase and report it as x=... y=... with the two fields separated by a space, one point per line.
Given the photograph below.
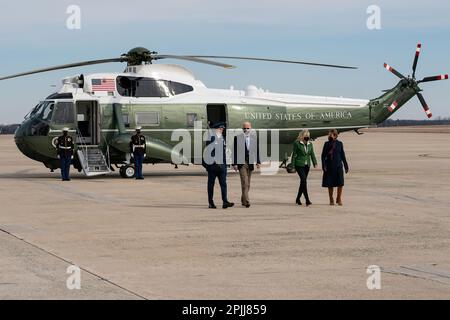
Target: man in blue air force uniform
x=216 y=165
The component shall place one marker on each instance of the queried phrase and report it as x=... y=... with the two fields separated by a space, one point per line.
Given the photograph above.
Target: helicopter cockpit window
x=38 y=109
x=64 y=113
x=48 y=111
x=147 y=87
x=44 y=110
x=34 y=110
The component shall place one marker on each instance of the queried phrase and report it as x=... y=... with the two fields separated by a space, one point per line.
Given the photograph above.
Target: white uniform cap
x=65 y=129
x=139 y=128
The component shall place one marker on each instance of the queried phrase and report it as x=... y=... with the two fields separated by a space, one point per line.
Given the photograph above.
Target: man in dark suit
x=216 y=165
x=245 y=155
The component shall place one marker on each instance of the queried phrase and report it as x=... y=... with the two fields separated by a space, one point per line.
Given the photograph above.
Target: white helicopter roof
x=201 y=94
x=164 y=72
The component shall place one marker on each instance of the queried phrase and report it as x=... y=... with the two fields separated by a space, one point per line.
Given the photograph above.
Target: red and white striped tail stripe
x=388 y=67
x=419 y=46
x=393 y=106
x=443 y=77
x=427 y=111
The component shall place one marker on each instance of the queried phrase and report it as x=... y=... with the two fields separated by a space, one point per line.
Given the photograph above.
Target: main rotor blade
x=65 y=66
x=416 y=58
x=424 y=105
x=398 y=74
x=194 y=59
x=277 y=60
x=434 y=78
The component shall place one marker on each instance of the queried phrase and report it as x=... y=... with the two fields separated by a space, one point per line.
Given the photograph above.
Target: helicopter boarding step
x=93 y=161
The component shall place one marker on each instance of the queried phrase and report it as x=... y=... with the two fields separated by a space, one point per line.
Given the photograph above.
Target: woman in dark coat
x=333 y=165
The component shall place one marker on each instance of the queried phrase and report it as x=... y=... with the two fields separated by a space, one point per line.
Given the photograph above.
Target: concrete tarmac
x=157 y=239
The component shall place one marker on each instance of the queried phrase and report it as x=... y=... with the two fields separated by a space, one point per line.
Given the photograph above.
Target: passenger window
x=147 y=118
x=126 y=120
x=190 y=119
x=147 y=87
x=179 y=88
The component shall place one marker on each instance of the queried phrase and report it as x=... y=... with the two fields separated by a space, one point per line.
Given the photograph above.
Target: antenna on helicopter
x=138 y=56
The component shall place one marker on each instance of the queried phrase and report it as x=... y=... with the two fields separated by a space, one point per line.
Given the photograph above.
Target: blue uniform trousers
x=138 y=159
x=213 y=173
x=65 y=167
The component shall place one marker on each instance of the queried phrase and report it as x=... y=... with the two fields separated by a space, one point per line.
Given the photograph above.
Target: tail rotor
x=413 y=83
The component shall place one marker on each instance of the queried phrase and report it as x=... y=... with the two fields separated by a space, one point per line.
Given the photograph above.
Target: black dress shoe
x=227 y=205
x=212 y=206
x=246 y=205
x=308 y=203
x=298 y=202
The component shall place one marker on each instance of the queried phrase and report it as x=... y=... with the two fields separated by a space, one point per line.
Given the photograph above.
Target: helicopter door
x=216 y=113
x=87 y=122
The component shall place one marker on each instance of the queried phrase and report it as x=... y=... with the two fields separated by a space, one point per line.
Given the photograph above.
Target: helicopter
x=102 y=110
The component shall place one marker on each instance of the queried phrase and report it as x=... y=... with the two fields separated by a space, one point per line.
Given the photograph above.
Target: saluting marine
x=65 y=146
x=138 y=152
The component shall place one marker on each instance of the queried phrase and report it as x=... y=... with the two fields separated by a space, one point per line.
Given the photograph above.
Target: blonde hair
x=302 y=134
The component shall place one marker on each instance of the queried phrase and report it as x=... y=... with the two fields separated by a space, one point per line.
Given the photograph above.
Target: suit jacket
x=250 y=156
x=302 y=156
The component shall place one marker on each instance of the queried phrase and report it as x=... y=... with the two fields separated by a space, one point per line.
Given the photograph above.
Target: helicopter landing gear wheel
x=127 y=171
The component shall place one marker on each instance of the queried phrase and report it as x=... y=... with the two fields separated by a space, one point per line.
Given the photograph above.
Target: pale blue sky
x=34 y=35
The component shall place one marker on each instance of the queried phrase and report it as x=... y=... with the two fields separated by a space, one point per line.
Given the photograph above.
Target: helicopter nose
x=21 y=144
x=19 y=133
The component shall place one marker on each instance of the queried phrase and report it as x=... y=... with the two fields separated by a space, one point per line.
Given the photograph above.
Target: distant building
x=8 y=129
x=399 y=123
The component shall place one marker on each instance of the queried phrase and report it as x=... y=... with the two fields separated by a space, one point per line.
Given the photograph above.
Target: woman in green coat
x=302 y=156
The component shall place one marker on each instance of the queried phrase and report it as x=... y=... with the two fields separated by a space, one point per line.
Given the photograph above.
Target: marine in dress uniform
x=138 y=152
x=65 y=146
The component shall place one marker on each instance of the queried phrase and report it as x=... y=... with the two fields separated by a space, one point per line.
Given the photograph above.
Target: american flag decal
x=103 y=85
